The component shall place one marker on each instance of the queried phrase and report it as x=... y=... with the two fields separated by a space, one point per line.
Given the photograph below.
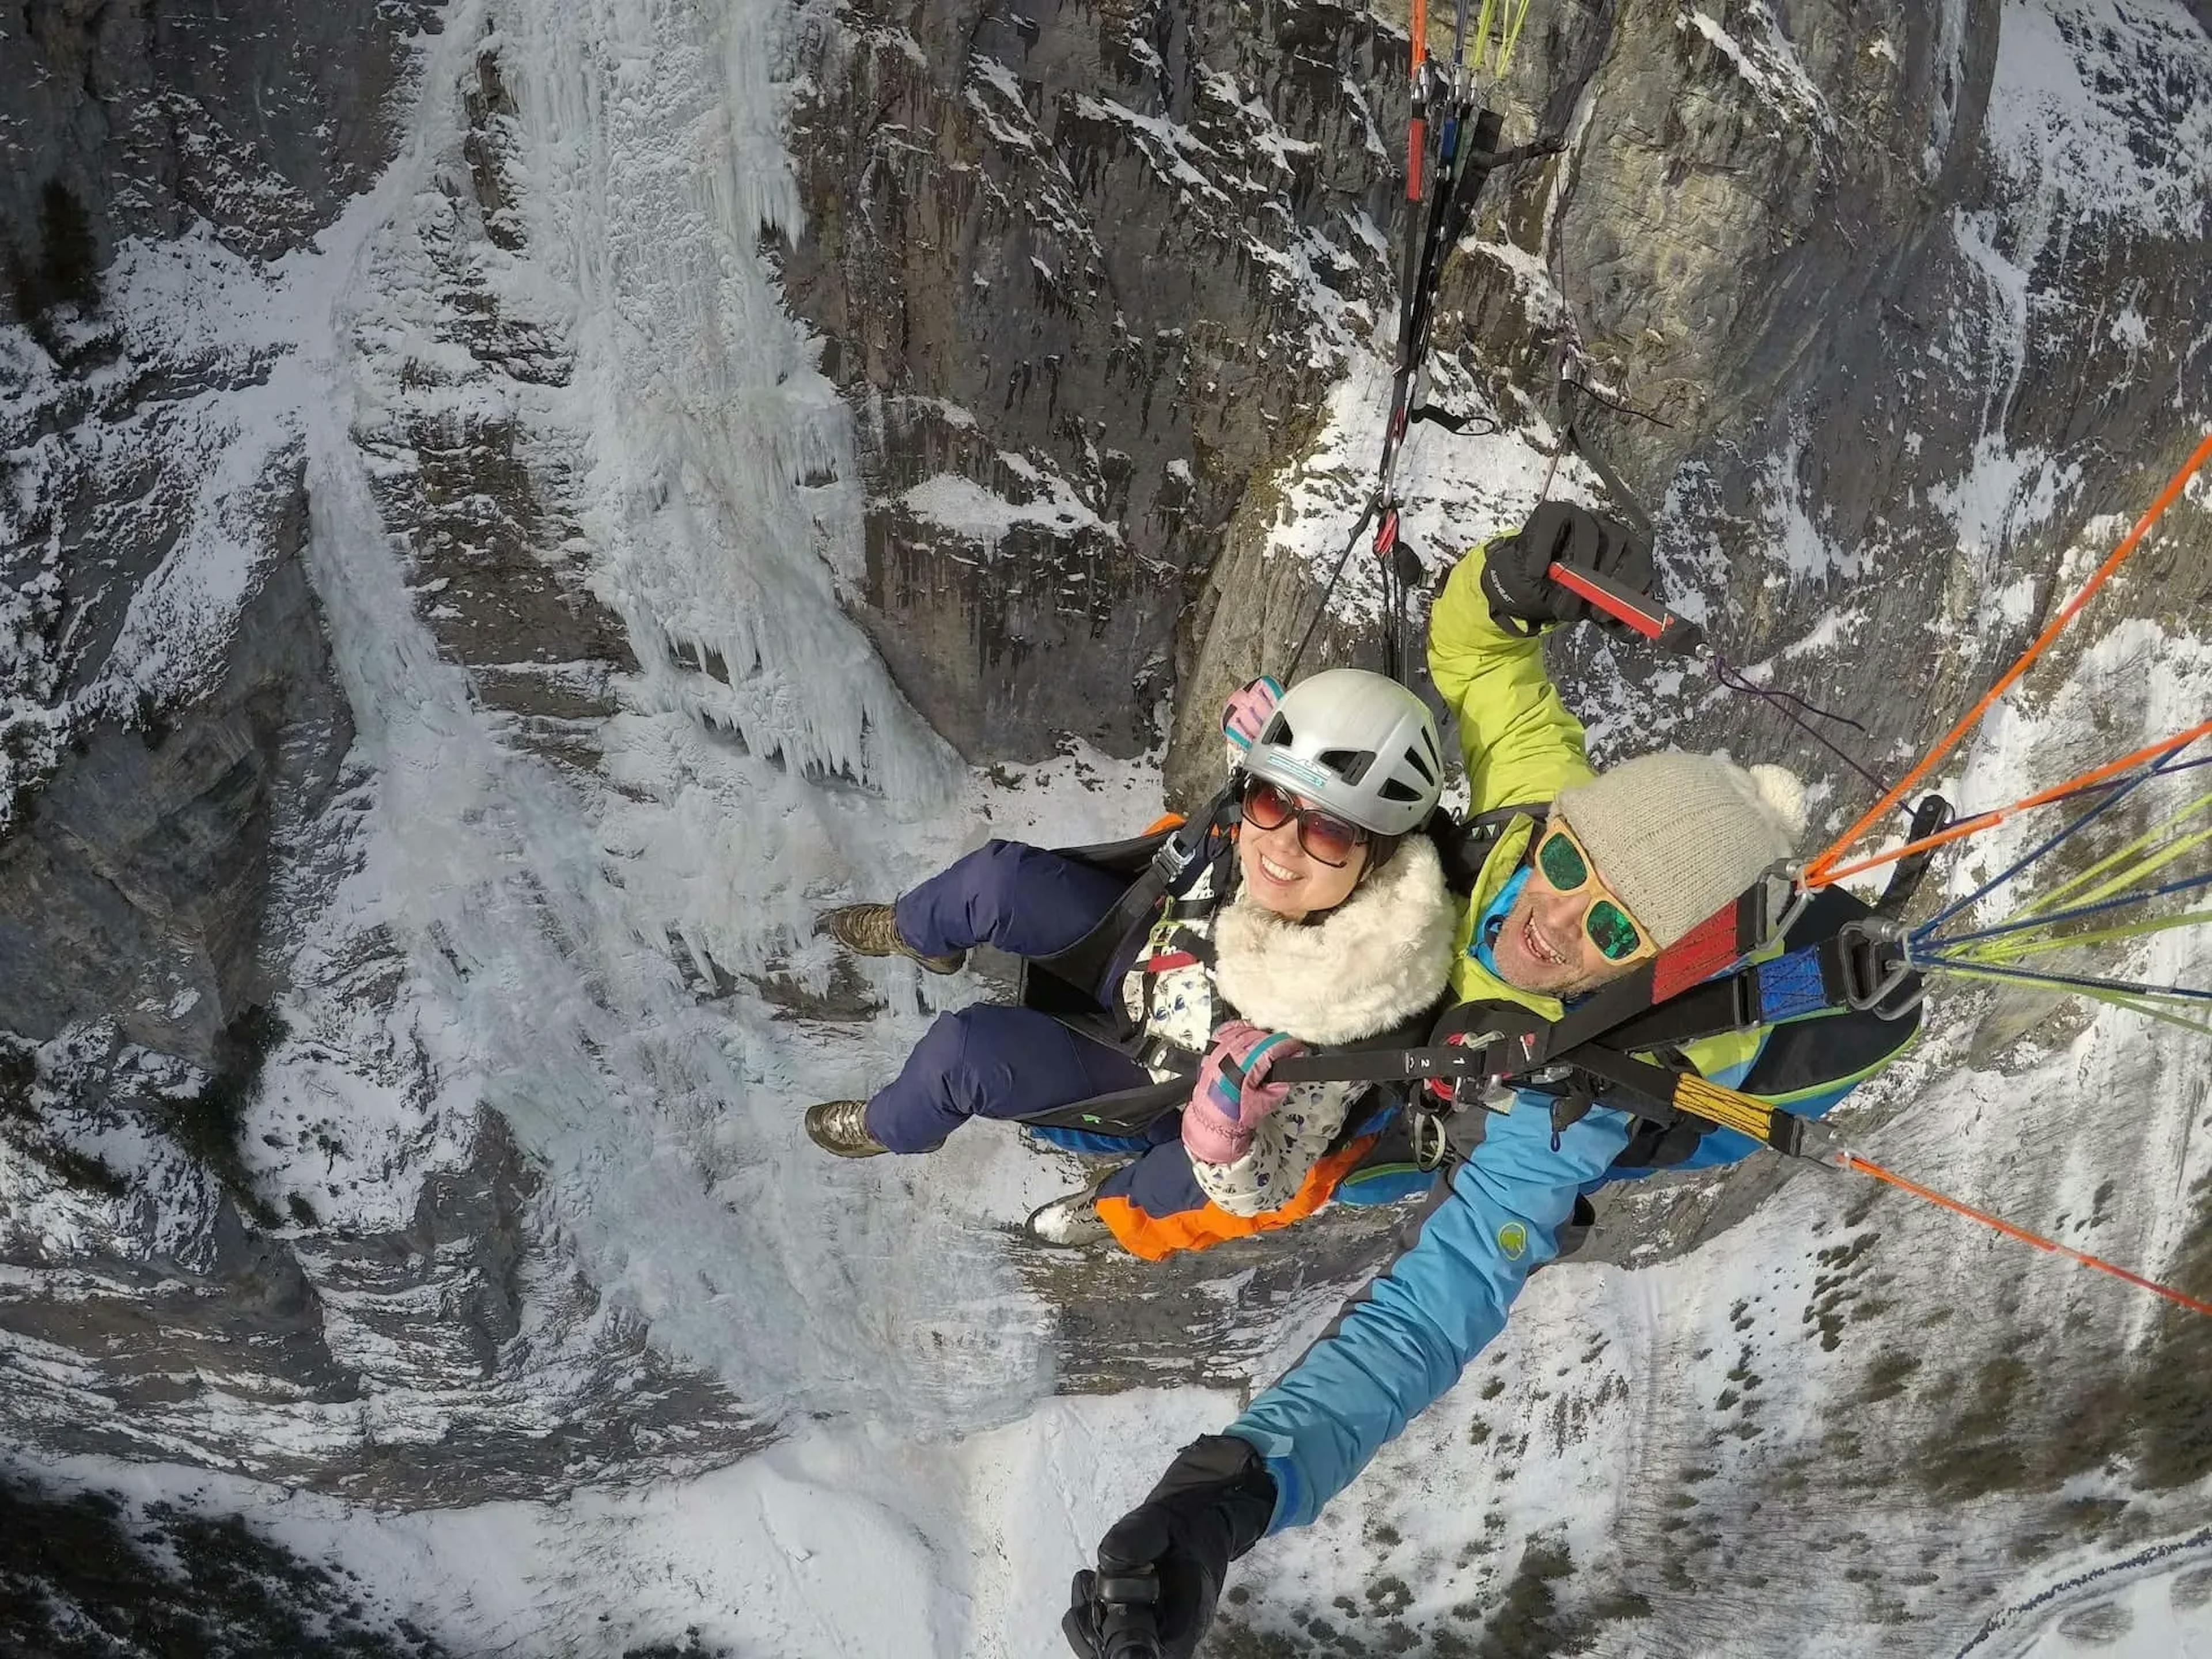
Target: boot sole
x=1104 y=1234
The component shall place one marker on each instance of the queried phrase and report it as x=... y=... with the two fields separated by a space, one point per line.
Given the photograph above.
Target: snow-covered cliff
x=440 y=613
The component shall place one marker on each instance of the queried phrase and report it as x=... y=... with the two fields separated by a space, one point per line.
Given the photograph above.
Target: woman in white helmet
x=1322 y=920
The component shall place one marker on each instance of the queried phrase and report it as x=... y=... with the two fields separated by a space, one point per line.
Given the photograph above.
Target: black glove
x=1523 y=599
x=1210 y=1507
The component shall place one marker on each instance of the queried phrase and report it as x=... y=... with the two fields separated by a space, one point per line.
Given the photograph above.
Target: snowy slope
x=834 y=1543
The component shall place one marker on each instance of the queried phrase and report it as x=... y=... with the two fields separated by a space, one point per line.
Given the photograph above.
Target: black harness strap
x=1171 y=861
x=1465 y=847
x=1854 y=973
x=1125 y=1112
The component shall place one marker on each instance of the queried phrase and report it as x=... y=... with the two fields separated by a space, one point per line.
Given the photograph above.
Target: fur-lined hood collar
x=1374 y=962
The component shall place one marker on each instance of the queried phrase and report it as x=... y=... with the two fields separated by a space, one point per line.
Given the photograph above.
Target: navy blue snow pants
x=986 y=1060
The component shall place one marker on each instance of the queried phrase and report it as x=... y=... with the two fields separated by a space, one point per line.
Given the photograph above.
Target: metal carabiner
x=1876 y=962
x=1782 y=899
x=1421 y=1127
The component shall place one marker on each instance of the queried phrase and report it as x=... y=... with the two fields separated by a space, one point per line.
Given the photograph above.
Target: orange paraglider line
x=1817 y=877
x=1822 y=870
x=1853 y=1161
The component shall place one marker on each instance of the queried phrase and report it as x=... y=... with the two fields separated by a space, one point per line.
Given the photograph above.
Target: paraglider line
x=2187 y=885
x=2072 y=981
x=1817 y=877
x=2120 y=793
x=1730 y=675
x=2081 y=789
x=1853 y=1161
x=1822 y=871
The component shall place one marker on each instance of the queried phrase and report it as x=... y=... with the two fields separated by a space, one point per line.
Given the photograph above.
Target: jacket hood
x=1374 y=962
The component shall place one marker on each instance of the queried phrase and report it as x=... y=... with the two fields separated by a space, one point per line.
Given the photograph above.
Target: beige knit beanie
x=1677 y=836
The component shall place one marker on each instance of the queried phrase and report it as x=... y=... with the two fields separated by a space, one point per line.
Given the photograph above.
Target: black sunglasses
x=1322 y=836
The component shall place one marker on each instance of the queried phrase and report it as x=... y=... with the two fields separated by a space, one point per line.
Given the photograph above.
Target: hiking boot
x=1071 y=1223
x=841 y=1127
x=872 y=930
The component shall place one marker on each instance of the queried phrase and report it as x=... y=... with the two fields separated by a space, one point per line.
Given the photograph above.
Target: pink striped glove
x=1246 y=715
x=1233 y=1093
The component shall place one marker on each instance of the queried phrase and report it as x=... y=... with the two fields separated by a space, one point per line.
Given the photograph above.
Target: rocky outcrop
x=151 y=117
x=143 y=1579
x=1867 y=270
x=166 y=700
x=133 y=884
x=1079 y=275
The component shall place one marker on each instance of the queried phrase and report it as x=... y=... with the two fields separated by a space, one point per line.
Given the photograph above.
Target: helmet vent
x=1394 y=790
x=1420 y=762
x=1350 y=765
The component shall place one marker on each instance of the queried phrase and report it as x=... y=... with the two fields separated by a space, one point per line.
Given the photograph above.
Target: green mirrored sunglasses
x=1566 y=869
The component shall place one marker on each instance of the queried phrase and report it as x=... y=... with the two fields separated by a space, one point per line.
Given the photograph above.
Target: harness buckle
x=1933 y=814
x=1875 y=967
x=1171 y=859
x=1490 y=1093
x=1186 y=846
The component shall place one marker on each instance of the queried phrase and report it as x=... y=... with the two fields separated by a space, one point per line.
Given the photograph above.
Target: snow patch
x=856 y=1542
x=2077 y=84
x=1167 y=146
x=954 y=501
x=1768 y=65
x=2003 y=496
x=1457 y=489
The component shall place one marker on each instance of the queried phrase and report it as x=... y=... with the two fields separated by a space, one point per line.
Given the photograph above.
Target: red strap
x=1168 y=960
x=1697 y=955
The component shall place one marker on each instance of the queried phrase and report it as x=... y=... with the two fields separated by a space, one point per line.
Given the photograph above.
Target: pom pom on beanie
x=1677 y=836
x=1783 y=793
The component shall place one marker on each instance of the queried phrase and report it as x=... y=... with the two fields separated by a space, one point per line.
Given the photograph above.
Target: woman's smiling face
x=1283 y=877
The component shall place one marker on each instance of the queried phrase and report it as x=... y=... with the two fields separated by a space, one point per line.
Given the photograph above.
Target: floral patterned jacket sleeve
x=1285 y=1148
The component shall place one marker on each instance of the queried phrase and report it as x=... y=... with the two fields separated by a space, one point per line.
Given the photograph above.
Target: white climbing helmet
x=1355 y=744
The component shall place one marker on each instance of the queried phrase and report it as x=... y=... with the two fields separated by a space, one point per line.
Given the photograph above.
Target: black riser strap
x=1716 y=1007
x=1125 y=1111
x=1384 y=1064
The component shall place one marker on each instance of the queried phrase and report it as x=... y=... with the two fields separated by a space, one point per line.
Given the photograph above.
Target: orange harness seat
x=1155 y=1237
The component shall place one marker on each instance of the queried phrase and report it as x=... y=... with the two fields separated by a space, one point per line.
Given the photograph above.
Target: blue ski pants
x=986 y=1060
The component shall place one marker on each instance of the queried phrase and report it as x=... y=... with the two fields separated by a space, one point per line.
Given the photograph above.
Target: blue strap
x=1791 y=986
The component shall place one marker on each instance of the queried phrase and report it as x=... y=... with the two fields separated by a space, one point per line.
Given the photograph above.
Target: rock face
x=443 y=647
x=155 y=1578
x=1842 y=256
x=149 y=118
x=166 y=700
x=176 y=802
x=1081 y=273
x=144 y=864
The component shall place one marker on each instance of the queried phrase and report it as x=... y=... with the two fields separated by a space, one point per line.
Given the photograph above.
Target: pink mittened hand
x=1246 y=715
x=1232 y=1094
